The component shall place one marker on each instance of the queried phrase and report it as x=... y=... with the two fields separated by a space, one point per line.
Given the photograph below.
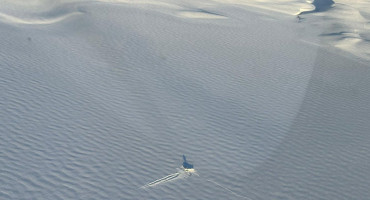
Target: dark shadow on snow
x=320 y=6
x=185 y=164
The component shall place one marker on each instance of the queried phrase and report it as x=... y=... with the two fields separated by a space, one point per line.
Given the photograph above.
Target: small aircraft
x=186 y=170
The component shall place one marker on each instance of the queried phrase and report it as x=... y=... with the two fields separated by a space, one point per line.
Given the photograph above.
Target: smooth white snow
x=98 y=98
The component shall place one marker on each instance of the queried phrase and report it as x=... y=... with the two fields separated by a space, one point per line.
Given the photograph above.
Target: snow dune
x=201 y=14
x=98 y=98
x=36 y=12
x=15 y=20
x=344 y=25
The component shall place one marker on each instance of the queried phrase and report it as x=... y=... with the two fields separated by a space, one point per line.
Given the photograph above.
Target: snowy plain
x=99 y=98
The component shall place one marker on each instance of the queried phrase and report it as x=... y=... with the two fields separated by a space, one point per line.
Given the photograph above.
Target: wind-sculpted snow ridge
x=319 y=6
x=287 y=7
x=191 y=10
x=98 y=105
x=35 y=20
x=200 y=14
x=344 y=26
x=37 y=13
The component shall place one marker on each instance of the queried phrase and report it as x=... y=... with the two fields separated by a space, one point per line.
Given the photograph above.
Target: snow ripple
x=95 y=107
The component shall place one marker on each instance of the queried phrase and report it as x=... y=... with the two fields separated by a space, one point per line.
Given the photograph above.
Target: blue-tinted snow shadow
x=320 y=6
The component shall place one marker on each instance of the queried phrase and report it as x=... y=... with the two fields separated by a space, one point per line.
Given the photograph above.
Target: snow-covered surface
x=100 y=98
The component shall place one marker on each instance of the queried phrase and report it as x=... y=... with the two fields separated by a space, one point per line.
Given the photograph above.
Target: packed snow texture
x=98 y=98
